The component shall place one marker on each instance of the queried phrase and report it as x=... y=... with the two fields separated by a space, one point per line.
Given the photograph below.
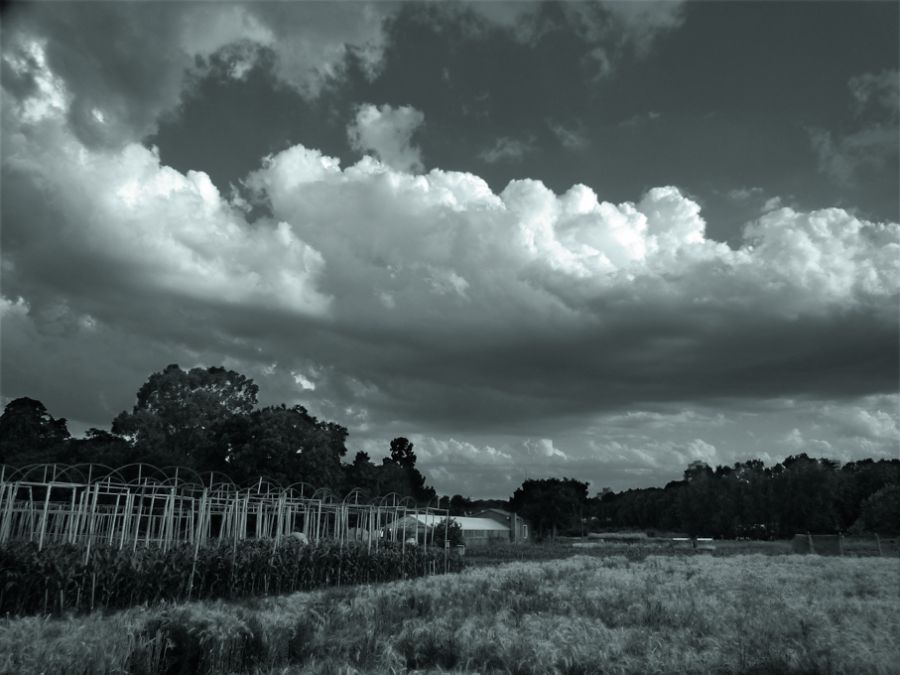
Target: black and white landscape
x=598 y=239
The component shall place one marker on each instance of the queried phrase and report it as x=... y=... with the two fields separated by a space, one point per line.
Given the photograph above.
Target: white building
x=476 y=531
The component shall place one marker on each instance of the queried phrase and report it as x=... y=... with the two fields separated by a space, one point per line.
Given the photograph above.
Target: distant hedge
x=57 y=579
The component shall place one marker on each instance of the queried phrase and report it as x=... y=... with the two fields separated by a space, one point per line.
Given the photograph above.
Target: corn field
x=142 y=505
x=56 y=579
x=86 y=537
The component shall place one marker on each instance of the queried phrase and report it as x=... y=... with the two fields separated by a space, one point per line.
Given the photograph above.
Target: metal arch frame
x=161 y=476
x=142 y=504
x=217 y=479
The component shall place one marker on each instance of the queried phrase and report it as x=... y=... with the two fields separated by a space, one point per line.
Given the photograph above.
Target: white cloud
x=123 y=217
x=878 y=91
x=136 y=79
x=387 y=132
x=571 y=136
x=508 y=149
x=848 y=158
x=423 y=302
x=744 y=193
x=607 y=27
x=797 y=442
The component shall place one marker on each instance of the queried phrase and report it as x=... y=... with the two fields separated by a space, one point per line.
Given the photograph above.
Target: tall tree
x=29 y=434
x=362 y=474
x=180 y=415
x=398 y=473
x=288 y=445
x=551 y=504
x=402 y=453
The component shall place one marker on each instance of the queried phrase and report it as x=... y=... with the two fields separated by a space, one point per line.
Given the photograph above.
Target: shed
x=476 y=531
x=518 y=526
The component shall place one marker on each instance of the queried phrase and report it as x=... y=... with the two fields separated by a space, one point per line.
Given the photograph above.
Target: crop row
x=58 y=579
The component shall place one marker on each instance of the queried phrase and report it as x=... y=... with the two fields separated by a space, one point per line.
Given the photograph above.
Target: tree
x=402 y=453
x=287 y=445
x=551 y=504
x=362 y=474
x=29 y=434
x=459 y=505
x=453 y=532
x=881 y=511
x=100 y=447
x=180 y=415
x=803 y=491
x=398 y=473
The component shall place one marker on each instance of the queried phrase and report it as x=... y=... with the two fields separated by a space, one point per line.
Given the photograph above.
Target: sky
x=597 y=240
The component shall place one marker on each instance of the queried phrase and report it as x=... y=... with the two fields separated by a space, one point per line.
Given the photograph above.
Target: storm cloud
x=512 y=331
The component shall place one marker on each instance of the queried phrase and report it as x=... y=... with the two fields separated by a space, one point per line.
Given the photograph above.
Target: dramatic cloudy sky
x=599 y=239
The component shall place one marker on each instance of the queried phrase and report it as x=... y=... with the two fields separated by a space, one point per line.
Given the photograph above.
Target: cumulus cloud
x=152 y=227
x=437 y=291
x=632 y=294
x=118 y=89
x=423 y=303
x=387 y=132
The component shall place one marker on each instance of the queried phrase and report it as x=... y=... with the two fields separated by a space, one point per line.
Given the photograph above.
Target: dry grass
x=692 y=614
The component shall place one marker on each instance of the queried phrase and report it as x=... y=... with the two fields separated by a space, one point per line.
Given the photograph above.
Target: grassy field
x=635 y=551
x=587 y=614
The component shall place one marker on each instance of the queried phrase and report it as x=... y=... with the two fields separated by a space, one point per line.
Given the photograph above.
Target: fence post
x=878 y=541
x=812 y=548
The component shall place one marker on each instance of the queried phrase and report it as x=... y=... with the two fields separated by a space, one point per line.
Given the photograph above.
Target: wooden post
x=70 y=522
x=126 y=517
x=150 y=517
x=91 y=527
x=137 y=518
x=878 y=542
x=8 y=512
x=48 y=488
x=112 y=527
x=812 y=548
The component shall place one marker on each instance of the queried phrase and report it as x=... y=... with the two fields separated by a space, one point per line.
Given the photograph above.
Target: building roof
x=499 y=512
x=467 y=524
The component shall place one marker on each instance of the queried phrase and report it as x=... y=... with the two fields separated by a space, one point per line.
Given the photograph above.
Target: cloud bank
x=522 y=329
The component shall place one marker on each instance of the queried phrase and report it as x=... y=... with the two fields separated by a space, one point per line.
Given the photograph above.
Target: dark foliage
x=800 y=494
x=58 y=579
x=552 y=505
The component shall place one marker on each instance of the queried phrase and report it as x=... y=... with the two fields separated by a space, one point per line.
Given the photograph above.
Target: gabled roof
x=500 y=511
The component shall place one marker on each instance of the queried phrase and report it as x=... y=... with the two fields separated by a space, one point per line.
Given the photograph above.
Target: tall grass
x=697 y=614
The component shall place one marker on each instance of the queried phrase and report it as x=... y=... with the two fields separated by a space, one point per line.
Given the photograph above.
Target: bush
x=881 y=511
x=454 y=532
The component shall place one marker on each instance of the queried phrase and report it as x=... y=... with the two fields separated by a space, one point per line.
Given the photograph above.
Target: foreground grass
x=635 y=551
x=697 y=614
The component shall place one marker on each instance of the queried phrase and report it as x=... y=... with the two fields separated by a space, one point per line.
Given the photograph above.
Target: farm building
x=476 y=531
x=518 y=526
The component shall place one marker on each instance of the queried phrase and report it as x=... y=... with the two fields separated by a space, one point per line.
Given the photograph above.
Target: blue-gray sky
x=594 y=239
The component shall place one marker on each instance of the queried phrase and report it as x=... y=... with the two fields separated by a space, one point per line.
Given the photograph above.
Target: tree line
x=749 y=499
x=209 y=420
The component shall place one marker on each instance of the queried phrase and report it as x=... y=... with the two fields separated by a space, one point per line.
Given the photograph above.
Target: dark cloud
x=512 y=327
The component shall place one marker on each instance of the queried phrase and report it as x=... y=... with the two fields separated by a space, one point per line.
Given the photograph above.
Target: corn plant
x=58 y=579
